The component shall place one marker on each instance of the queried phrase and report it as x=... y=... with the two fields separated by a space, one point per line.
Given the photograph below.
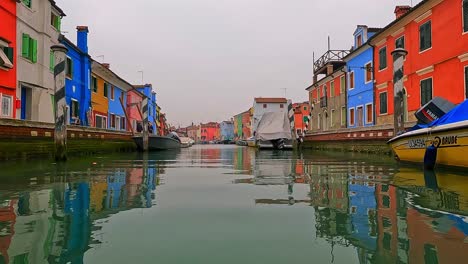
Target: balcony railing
x=323 y=101
x=330 y=56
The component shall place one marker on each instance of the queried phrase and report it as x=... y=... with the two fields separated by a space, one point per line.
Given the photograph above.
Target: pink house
x=134 y=103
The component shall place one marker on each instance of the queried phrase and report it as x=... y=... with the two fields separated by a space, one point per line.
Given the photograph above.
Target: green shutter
x=33 y=50
x=51 y=60
x=59 y=23
x=25 y=46
x=9 y=52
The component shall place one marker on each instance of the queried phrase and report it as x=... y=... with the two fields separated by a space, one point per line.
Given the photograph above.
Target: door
x=23 y=102
x=360 y=114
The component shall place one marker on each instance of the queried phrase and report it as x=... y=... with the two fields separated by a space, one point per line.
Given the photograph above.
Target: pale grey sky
x=208 y=59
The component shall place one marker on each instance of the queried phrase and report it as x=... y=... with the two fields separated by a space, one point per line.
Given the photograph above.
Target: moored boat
x=449 y=135
x=185 y=142
x=274 y=132
x=170 y=141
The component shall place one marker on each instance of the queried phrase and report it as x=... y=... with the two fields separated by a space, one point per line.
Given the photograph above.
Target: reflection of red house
x=209 y=131
x=134 y=181
x=301 y=110
x=446 y=246
x=246 y=124
x=387 y=242
x=134 y=101
x=7 y=215
x=8 y=50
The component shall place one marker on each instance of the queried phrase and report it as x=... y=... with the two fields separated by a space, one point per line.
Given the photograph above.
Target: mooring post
x=145 y=123
x=291 y=123
x=60 y=134
x=399 y=55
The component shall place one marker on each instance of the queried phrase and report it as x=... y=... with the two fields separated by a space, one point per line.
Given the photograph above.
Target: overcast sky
x=208 y=59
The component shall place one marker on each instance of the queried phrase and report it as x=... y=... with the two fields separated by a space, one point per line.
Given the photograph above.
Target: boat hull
x=156 y=143
x=268 y=145
x=451 y=142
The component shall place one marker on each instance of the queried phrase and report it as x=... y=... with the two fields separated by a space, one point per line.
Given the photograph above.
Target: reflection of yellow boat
x=451 y=141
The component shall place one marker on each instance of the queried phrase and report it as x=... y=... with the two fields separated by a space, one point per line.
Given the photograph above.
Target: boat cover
x=457 y=114
x=273 y=125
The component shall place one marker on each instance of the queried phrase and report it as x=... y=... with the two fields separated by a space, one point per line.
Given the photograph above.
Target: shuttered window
x=27 y=3
x=69 y=69
x=342 y=84
x=351 y=117
x=332 y=89
x=106 y=86
x=465 y=15
x=383 y=58
x=426 y=91
x=55 y=21
x=343 y=116
x=368 y=69
x=400 y=42
x=29 y=48
x=383 y=103
x=425 y=36
x=351 y=80
x=51 y=60
x=369 y=114
x=94 y=83
x=9 y=52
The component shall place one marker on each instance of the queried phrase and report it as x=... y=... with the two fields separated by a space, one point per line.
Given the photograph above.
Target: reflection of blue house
x=147 y=90
x=227 y=130
x=363 y=211
x=360 y=83
x=115 y=184
x=77 y=83
x=150 y=185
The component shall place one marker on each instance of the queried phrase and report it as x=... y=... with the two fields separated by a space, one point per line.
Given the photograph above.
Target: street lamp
x=399 y=55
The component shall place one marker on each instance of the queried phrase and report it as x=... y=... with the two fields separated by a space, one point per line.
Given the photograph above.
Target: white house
x=265 y=105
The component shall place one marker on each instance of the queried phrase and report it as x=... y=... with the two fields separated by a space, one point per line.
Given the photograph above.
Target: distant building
x=265 y=105
x=134 y=104
x=8 y=60
x=192 y=132
x=301 y=112
x=227 y=130
x=209 y=131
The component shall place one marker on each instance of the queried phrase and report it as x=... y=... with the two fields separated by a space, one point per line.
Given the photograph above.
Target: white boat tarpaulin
x=273 y=125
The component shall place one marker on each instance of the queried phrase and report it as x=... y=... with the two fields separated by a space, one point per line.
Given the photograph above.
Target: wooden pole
x=60 y=133
x=129 y=124
x=398 y=116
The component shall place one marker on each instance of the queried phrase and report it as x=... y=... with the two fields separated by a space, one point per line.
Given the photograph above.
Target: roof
x=270 y=100
x=98 y=66
x=54 y=5
x=372 y=29
x=62 y=38
x=143 y=85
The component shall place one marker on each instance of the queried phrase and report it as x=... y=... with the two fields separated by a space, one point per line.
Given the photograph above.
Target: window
x=55 y=21
x=74 y=108
x=383 y=103
x=264 y=105
x=94 y=84
x=281 y=106
x=369 y=114
x=351 y=80
x=383 y=58
x=101 y=121
x=343 y=116
x=386 y=222
x=359 y=41
x=6 y=55
x=386 y=241
x=384 y=188
x=351 y=117
x=466 y=82
x=332 y=88
x=426 y=91
x=106 y=87
x=400 y=42
x=332 y=118
x=465 y=15
x=118 y=123
x=425 y=38
x=112 y=121
x=319 y=120
x=51 y=60
x=29 y=48
x=27 y=3
x=305 y=107
x=69 y=69
x=6 y=105
x=342 y=84
x=368 y=72
x=112 y=93
x=386 y=201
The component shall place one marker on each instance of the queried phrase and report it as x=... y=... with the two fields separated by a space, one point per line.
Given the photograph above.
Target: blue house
x=360 y=85
x=147 y=90
x=78 y=76
x=227 y=130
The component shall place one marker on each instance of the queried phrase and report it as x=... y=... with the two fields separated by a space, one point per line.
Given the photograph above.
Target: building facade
x=209 y=131
x=360 y=85
x=134 y=103
x=265 y=105
x=301 y=113
x=78 y=78
x=430 y=68
x=227 y=130
x=147 y=90
x=8 y=60
x=37 y=28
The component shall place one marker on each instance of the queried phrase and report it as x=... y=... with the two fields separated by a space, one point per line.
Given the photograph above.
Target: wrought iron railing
x=331 y=55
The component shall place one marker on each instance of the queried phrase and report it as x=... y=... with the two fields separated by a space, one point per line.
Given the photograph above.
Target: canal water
x=230 y=204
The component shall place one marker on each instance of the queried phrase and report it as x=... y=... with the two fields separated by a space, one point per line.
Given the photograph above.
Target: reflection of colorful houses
x=387 y=223
x=97 y=196
x=115 y=183
x=7 y=222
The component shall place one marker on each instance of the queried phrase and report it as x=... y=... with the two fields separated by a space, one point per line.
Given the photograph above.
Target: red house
x=301 y=111
x=209 y=131
x=7 y=59
x=134 y=103
x=435 y=34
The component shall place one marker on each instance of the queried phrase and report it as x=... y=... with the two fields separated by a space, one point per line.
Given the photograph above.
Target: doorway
x=26 y=95
x=360 y=114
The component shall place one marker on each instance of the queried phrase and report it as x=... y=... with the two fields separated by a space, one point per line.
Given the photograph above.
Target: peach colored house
x=134 y=106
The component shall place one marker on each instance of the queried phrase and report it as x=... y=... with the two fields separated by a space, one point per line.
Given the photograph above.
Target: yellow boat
x=451 y=141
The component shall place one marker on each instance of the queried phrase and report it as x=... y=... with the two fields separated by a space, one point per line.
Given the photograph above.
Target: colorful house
x=209 y=131
x=227 y=130
x=77 y=82
x=37 y=29
x=134 y=104
x=147 y=90
x=301 y=112
x=108 y=98
x=8 y=61
x=247 y=123
x=360 y=85
x=430 y=68
x=265 y=105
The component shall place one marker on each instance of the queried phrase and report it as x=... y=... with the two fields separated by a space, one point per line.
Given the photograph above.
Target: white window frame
x=365 y=73
x=353 y=82
x=117 y=122
x=343 y=117
x=10 y=108
x=380 y=106
x=349 y=115
x=419 y=36
x=402 y=36
x=342 y=83
x=372 y=113
x=386 y=57
x=110 y=120
x=332 y=112
x=105 y=120
x=420 y=89
x=363 y=115
x=112 y=92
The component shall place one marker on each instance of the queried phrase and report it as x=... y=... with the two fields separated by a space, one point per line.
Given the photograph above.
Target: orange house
x=435 y=34
x=99 y=98
x=301 y=110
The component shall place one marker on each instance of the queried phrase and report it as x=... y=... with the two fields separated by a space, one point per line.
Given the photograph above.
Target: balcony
x=323 y=101
x=332 y=57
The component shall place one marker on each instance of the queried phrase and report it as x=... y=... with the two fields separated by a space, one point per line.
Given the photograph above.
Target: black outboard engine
x=433 y=110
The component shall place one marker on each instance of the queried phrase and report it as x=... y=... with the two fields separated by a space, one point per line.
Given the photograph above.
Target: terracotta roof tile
x=270 y=100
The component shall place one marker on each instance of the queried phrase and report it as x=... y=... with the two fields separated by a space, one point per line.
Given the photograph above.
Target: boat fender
x=430 y=157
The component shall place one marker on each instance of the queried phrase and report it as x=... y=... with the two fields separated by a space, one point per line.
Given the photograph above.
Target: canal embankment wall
x=366 y=139
x=24 y=140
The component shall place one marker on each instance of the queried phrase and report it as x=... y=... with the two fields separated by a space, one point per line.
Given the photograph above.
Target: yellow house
x=99 y=95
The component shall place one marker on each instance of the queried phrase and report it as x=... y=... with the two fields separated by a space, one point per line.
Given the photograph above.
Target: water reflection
x=382 y=213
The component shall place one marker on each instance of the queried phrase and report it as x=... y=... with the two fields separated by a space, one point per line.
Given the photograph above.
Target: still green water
x=229 y=204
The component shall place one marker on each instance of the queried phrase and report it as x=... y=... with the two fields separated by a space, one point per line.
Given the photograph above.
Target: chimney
x=401 y=10
x=106 y=65
x=329 y=69
x=82 y=37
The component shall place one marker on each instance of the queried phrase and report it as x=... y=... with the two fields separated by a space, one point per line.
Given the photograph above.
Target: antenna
x=285 y=89
x=328 y=42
